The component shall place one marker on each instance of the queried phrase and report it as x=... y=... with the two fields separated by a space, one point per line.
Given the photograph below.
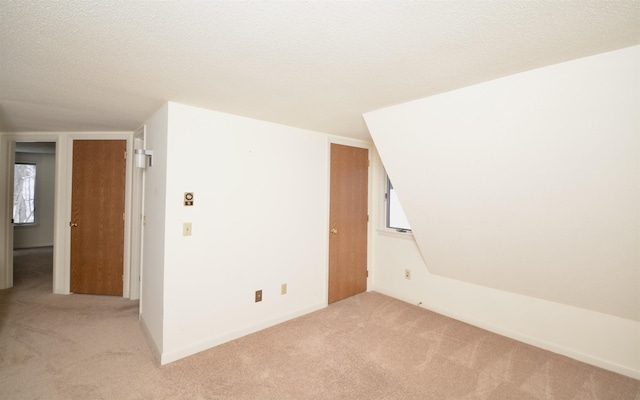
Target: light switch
x=186 y=229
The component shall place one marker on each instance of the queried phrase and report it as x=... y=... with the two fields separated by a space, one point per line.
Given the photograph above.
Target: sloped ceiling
x=107 y=65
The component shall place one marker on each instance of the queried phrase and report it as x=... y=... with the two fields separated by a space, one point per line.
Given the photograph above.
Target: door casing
x=66 y=270
x=368 y=147
x=62 y=233
x=137 y=214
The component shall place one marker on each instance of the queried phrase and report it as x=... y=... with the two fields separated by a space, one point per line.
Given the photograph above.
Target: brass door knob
x=73 y=224
x=334 y=231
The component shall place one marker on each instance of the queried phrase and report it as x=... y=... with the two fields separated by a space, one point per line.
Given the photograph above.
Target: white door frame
x=370 y=197
x=7 y=150
x=137 y=215
x=8 y=143
x=62 y=203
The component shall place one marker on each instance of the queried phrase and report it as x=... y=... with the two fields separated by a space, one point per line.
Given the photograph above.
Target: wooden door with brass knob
x=97 y=216
x=348 y=221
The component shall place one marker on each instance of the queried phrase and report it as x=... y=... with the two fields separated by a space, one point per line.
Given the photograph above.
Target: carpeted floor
x=369 y=346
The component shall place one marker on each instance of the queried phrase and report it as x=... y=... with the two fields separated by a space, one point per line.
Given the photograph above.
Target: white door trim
x=62 y=206
x=7 y=150
x=137 y=211
x=64 y=281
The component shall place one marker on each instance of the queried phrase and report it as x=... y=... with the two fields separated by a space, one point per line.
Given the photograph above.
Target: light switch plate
x=186 y=229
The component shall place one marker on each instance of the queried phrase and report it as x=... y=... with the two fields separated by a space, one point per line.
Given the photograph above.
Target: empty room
x=320 y=200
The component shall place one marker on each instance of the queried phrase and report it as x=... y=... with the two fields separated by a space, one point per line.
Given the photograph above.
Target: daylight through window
x=24 y=194
x=396 y=219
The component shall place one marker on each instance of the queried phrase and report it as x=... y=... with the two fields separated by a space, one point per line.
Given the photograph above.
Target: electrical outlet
x=407 y=274
x=283 y=288
x=258 y=295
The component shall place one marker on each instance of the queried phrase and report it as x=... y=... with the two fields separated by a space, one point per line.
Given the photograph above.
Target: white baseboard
x=579 y=334
x=545 y=344
x=154 y=347
x=32 y=246
x=185 y=351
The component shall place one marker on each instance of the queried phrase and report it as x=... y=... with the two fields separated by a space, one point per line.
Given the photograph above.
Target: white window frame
x=392 y=204
x=35 y=209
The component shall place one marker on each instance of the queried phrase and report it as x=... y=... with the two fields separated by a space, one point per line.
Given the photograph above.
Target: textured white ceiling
x=108 y=65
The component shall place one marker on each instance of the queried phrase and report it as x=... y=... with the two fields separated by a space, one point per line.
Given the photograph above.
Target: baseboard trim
x=544 y=344
x=157 y=354
x=186 y=351
x=32 y=246
x=526 y=338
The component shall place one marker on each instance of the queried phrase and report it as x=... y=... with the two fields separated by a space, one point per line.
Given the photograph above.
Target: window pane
x=24 y=193
x=396 y=219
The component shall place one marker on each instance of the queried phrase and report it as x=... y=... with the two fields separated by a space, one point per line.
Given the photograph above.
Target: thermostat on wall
x=188 y=198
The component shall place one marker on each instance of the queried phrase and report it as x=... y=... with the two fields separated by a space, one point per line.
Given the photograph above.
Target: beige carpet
x=367 y=347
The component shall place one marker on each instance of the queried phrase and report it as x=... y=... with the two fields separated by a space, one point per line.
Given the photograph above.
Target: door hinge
x=367 y=273
x=125 y=154
x=123 y=216
x=367 y=217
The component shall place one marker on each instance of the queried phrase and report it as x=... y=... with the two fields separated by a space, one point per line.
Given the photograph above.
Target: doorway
x=348 y=219
x=62 y=213
x=34 y=183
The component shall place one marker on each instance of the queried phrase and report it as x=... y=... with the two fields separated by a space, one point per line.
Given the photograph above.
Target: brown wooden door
x=348 y=222
x=97 y=242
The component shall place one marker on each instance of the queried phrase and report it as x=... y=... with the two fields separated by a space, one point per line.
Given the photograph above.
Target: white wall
x=41 y=233
x=152 y=298
x=527 y=188
x=259 y=220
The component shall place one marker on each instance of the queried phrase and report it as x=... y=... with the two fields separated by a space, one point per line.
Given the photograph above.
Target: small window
x=24 y=190
x=396 y=219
